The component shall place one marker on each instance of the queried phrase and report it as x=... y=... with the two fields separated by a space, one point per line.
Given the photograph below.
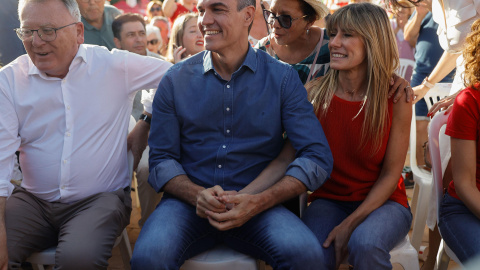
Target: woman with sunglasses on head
x=154 y=8
x=294 y=39
x=186 y=39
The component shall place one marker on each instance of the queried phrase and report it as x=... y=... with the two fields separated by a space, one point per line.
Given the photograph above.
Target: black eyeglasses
x=153 y=41
x=45 y=33
x=153 y=9
x=285 y=21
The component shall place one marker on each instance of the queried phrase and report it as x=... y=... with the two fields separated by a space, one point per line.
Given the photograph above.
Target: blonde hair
x=471 y=54
x=178 y=29
x=150 y=5
x=372 y=24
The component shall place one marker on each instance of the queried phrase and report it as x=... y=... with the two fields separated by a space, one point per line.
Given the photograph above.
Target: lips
x=199 y=43
x=338 y=55
x=210 y=32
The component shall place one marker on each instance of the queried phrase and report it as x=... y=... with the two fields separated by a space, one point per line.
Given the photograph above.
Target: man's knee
x=81 y=257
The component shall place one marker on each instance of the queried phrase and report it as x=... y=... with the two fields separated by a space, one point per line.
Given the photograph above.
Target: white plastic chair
x=405 y=64
x=131 y=125
x=47 y=257
x=444 y=253
x=222 y=257
x=423 y=179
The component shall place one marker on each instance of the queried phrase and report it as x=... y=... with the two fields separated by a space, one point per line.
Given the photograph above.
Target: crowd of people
x=242 y=106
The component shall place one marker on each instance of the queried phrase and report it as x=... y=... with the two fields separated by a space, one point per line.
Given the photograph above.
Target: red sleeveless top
x=355 y=170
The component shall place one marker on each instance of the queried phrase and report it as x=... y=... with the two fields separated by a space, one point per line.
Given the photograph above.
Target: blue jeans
x=173 y=233
x=460 y=228
x=370 y=243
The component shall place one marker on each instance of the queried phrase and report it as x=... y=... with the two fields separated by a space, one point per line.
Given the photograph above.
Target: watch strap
x=145 y=118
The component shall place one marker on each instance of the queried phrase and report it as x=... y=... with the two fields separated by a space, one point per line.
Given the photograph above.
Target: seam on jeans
x=191 y=243
x=264 y=251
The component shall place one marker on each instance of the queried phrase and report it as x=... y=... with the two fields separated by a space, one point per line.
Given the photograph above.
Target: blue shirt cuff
x=164 y=172
x=308 y=172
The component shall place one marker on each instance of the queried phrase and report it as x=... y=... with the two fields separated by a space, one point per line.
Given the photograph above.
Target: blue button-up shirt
x=225 y=133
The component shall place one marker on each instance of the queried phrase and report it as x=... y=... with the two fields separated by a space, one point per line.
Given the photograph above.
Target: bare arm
x=464 y=158
x=3 y=236
x=137 y=139
x=444 y=66
x=384 y=186
x=412 y=27
x=169 y=7
x=273 y=172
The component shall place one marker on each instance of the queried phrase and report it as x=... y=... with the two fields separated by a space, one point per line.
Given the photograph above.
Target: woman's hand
x=177 y=54
x=339 y=236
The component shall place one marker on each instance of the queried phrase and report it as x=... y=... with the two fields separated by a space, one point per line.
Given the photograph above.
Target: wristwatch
x=145 y=118
x=428 y=84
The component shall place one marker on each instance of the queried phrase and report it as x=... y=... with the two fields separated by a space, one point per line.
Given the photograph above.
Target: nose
x=37 y=41
x=334 y=41
x=205 y=19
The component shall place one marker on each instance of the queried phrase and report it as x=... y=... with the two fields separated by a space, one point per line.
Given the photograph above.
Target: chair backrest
x=131 y=125
x=436 y=124
x=439 y=91
x=405 y=64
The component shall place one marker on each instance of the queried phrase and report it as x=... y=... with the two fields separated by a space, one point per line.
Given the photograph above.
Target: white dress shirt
x=71 y=132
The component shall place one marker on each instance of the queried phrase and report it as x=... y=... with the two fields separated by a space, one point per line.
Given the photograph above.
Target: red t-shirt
x=355 y=170
x=179 y=11
x=464 y=123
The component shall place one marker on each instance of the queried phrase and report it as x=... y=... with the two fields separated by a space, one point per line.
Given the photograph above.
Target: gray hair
x=71 y=6
x=153 y=29
x=241 y=4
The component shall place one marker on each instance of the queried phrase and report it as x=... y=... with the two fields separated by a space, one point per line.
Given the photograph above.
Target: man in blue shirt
x=218 y=119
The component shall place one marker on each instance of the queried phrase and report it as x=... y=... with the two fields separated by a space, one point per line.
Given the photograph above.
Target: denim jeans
x=460 y=228
x=173 y=233
x=370 y=243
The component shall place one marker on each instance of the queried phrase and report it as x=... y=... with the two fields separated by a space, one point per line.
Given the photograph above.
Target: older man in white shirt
x=66 y=107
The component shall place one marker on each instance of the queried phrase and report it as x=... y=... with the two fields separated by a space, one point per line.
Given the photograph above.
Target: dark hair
x=124 y=18
x=241 y=4
x=308 y=10
x=394 y=3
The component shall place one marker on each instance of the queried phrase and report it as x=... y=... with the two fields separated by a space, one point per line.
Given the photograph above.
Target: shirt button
x=68 y=107
x=219 y=166
x=228 y=86
x=64 y=161
x=63 y=187
x=68 y=134
x=224 y=146
x=228 y=109
x=228 y=130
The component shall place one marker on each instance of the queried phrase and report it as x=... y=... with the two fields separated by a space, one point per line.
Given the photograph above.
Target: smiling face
x=347 y=51
x=192 y=38
x=52 y=57
x=223 y=26
x=299 y=27
x=133 y=38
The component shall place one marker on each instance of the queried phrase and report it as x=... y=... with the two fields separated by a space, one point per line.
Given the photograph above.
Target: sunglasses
x=285 y=21
x=153 y=9
x=153 y=41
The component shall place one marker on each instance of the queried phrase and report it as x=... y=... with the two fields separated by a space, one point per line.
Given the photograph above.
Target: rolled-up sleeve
x=164 y=138
x=314 y=161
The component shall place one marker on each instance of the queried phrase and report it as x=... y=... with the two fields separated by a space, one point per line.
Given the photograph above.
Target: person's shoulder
x=469 y=95
x=111 y=10
x=192 y=64
x=266 y=59
x=20 y=66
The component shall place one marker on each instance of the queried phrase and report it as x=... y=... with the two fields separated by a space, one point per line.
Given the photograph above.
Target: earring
x=308 y=31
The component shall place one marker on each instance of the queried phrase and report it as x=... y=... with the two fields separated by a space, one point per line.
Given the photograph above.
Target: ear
x=117 y=43
x=249 y=15
x=80 y=31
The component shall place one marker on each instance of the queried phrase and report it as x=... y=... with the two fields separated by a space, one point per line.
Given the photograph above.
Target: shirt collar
x=250 y=61
x=80 y=56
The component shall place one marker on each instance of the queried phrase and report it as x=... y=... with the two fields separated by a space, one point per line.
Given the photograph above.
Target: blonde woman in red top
x=362 y=210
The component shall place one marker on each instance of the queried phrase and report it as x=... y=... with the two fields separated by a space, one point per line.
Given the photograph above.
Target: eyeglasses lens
x=155 y=9
x=285 y=21
x=153 y=41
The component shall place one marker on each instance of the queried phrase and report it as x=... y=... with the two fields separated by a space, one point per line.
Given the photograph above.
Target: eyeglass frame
x=152 y=9
x=156 y=40
x=41 y=29
x=266 y=17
